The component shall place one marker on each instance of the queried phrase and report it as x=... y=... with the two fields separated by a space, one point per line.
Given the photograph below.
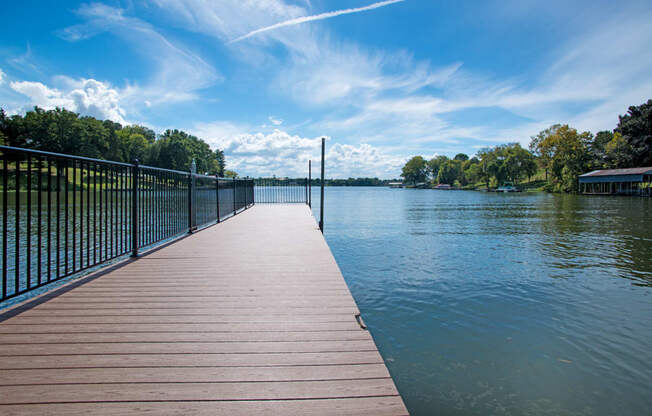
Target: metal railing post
x=134 y=209
x=217 y=196
x=245 y=195
x=190 y=207
x=235 y=206
x=310 y=183
x=321 y=200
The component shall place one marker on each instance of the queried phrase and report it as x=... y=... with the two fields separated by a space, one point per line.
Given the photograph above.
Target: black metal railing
x=298 y=190
x=282 y=190
x=63 y=214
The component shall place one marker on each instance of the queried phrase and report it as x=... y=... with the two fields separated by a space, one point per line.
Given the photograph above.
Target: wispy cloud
x=321 y=16
x=177 y=72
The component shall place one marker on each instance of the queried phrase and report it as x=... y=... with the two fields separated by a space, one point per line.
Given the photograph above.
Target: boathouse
x=630 y=181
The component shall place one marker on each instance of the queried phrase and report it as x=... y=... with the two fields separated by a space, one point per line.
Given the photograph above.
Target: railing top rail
x=182 y=172
x=11 y=149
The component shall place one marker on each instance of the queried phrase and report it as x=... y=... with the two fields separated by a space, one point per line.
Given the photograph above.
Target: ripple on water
x=529 y=304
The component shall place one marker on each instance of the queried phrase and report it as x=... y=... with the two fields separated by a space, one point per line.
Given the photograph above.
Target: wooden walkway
x=251 y=316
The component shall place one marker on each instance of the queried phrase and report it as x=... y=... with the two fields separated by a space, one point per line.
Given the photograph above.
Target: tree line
x=63 y=131
x=354 y=182
x=560 y=153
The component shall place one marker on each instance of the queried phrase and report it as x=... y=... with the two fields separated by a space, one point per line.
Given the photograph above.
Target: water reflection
x=502 y=304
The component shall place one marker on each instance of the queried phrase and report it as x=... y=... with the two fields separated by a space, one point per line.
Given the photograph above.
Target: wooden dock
x=248 y=317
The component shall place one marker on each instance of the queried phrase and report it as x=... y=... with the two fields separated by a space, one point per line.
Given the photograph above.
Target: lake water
x=509 y=304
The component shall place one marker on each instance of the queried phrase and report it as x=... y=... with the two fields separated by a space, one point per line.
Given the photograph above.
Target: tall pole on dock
x=310 y=183
x=321 y=199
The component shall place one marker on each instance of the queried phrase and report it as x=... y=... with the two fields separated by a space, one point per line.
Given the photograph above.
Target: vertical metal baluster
x=81 y=215
x=88 y=214
x=17 y=243
x=106 y=212
x=134 y=209
x=5 y=232
x=143 y=219
x=164 y=211
x=109 y=214
x=157 y=196
x=74 y=215
x=145 y=205
x=39 y=201
x=321 y=199
x=179 y=203
x=49 y=219
x=65 y=172
x=111 y=209
x=160 y=204
x=150 y=208
x=94 y=213
x=217 y=198
x=121 y=186
x=99 y=208
x=190 y=207
x=28 y=246
x=235 y=209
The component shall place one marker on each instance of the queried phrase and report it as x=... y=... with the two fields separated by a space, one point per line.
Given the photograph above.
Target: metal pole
x=235 y=208
x=310 y=183
x=217 y=196
x=134 y=209
x=321 y=199
x=190 y=207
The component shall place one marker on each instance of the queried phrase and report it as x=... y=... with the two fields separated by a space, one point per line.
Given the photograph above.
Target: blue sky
x=265 y=79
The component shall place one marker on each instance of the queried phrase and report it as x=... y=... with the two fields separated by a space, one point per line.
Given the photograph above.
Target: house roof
x=617 y=172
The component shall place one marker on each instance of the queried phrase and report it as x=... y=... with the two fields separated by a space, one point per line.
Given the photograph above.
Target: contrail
x=321 y=16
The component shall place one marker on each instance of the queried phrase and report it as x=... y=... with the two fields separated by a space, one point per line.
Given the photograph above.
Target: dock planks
x=248 y=317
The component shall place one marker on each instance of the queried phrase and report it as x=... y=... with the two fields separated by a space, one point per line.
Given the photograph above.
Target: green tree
x=415 y=170
x=176 y=149
x=221 y=164
x=543 y=159
x=487 y=161
x=569 y=156
x=434 y=164
x=636 y=128
x=449 y=172
x=598 y=148
x=618 y=152
x=64 y=131
x=461 y=157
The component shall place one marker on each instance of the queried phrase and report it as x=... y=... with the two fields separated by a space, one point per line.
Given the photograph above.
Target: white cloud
x=178 y=73
x=275 y=121
x=312 y=18
x=2 y=77
x=282 y=154
x=86 y=96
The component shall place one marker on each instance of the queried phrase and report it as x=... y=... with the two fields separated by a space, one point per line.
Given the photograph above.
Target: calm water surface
x=509 y=304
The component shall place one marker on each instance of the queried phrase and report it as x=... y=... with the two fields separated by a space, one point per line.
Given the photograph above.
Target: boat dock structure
x=630 y=181
x=196 y=299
